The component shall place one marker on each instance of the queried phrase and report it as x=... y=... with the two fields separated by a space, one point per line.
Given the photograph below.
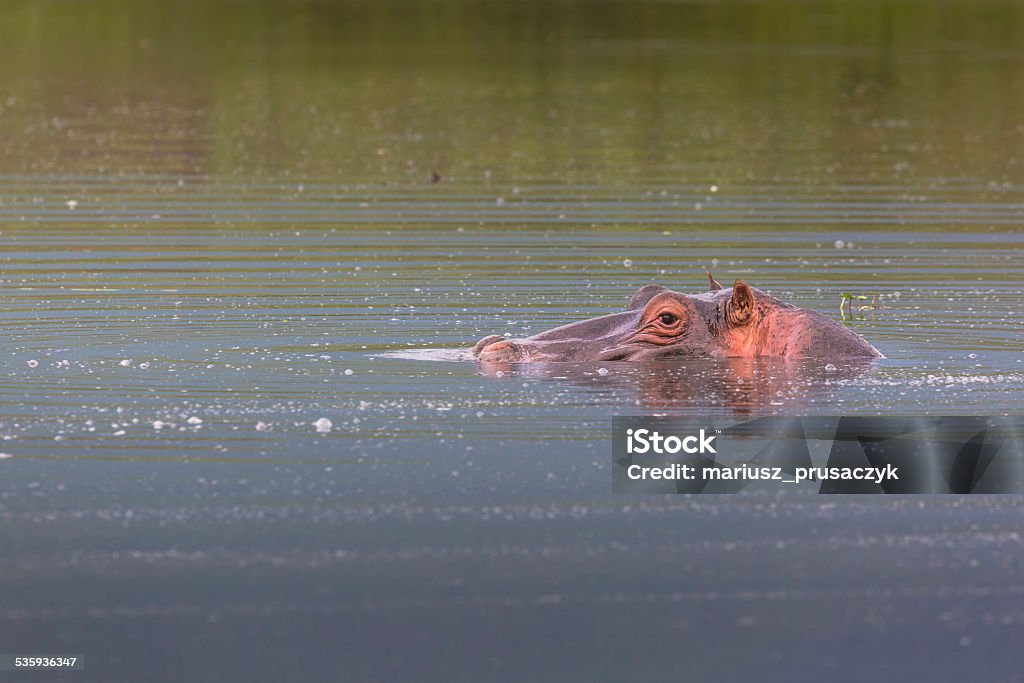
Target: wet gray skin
x=658 y=323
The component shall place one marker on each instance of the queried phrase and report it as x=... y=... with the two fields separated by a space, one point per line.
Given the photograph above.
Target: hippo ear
x=742 y=307
x=643 y=295
x=714 y=283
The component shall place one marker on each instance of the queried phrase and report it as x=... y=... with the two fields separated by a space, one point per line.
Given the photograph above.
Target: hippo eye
x=668 y=319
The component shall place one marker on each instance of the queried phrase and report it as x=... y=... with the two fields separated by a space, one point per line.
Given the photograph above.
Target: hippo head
x=658 y=323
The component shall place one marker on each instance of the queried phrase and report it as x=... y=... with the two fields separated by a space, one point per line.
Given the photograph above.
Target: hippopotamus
x=658 y=323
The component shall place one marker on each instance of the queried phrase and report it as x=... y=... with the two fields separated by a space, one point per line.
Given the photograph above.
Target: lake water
x=222 y=223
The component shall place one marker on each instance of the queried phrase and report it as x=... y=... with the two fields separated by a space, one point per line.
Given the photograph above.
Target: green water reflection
x=597 y=92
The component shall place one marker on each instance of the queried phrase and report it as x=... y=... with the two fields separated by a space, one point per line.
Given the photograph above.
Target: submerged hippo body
x=738 y=321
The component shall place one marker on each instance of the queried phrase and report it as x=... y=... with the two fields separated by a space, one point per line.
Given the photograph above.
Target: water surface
x=223 y=224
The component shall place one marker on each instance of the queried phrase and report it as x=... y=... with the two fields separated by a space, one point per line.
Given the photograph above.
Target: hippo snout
x=495 y=348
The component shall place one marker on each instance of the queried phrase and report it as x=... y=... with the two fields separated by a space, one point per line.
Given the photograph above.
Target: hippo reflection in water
x=743 y=386
x=738 y=321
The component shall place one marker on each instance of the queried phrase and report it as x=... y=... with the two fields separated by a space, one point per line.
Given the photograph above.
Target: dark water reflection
x=742 y=385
